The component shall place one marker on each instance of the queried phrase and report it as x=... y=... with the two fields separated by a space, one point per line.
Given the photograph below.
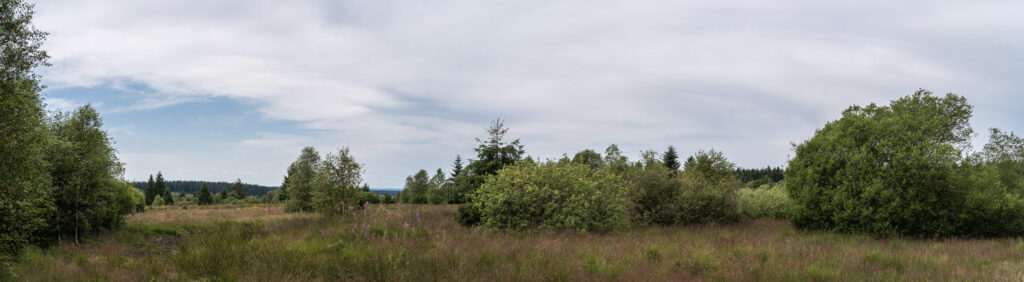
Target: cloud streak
x=410 y=83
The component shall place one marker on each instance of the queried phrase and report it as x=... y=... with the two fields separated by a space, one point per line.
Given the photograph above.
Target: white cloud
x=409 y=83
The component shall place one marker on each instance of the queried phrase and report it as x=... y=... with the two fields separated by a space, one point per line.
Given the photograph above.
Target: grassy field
x=424 y=243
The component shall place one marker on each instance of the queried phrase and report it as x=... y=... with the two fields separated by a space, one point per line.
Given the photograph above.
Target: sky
x=225 y=90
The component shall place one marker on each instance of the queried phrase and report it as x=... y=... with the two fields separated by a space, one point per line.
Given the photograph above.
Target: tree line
x=193 y=187
x=61 y=178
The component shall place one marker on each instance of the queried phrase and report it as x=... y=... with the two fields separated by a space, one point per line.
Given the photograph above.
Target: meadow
x=404 y=242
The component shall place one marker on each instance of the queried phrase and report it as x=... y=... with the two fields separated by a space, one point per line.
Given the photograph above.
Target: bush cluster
x=900 y=170
x=705 y=191
x=766 y=201
x=552 y=194
x=587 y=193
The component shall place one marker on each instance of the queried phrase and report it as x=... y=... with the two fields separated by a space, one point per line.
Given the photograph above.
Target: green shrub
x=468 y=215
x=655 y=194
x=767 y=201
x=705 y=192
x=370 y=197
x=559 y=195
x=709 y=189
x=158 y=200
x=898 y=169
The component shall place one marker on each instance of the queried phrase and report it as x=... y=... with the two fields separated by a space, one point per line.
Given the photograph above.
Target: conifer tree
x=150 y=190
x=204 y=197
x=168 y=197
x=239 y=189
x=671 y=159
x=456 y=167
x=161 y=188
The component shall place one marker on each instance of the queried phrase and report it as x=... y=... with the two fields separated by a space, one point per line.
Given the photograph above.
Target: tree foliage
x=301 y=174
x=671 y=159
x=150 y=190
x=552 y=194
x=84 y=168
x=705 y=193
x=766 y=201
x=239 y=190
x=160 y=188
x=337 y=180
x=205 y=198
x=493 y=154
x=24 y=184
x=1005 y=153
x=159 y=201
x=899 y=170
x=590 y=158
x=416 y=187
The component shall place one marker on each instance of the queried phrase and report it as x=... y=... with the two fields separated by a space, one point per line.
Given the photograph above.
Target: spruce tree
x=671 y=159
x=161 y=186
x=168 y=197
x=204 y=195
x=456 y=167
x=239 y=189
x=150 y=190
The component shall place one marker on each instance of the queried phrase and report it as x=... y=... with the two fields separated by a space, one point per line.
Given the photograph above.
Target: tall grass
x=265 y=244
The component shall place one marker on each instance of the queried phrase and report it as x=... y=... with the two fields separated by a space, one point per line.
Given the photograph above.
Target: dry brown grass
x=263 y=243
x=212 y=214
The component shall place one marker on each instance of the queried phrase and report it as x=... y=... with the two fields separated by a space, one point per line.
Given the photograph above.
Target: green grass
x=263 y=243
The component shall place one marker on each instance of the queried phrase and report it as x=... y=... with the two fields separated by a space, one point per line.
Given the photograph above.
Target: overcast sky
x=219 y=90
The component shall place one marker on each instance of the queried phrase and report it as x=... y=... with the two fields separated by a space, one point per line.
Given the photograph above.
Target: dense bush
x=709 y=189
x=559 y=195
x=654 y=194
x=898 y=169
x=767 y=201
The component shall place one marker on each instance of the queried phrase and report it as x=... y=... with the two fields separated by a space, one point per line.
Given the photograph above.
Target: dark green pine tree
x=239 y=189
x=161 y=189
x=223 y=194
x=204 y=197
x=671 y=159
x=151 y=191
x=456 y=167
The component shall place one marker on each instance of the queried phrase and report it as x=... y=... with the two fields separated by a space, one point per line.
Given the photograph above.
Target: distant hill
x=193 y=186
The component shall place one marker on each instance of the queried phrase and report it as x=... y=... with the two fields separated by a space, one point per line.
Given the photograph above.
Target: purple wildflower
x=406 y=225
